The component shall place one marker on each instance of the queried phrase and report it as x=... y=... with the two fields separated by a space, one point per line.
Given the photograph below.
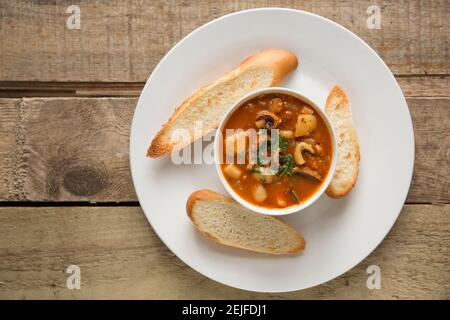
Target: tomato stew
x=304 y=151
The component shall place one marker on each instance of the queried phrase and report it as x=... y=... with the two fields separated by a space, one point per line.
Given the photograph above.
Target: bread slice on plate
x=209 y=104
x=225 y=221
x=338 y=110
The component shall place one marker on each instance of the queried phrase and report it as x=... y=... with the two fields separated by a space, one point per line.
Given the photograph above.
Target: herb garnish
x=287 y=163
x=293 y=195
x=283 y=144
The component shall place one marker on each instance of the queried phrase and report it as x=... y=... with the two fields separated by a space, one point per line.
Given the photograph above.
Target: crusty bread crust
x=342 y=185
x=280 y=62
x=208 y=195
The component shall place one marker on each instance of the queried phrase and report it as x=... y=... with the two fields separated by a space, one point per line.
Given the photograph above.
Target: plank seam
x=7 y=204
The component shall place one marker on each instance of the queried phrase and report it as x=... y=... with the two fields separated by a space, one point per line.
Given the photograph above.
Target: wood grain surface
x=123 y=40
x=66 y=102
x=120 y=257
x=412 y=86
x=39 y=164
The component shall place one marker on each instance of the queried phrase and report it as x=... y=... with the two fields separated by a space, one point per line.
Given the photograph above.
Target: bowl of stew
x=275 y=151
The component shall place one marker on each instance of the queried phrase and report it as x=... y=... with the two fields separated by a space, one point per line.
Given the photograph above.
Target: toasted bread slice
x=338 y=110
x=225 y=221
x=210 y=103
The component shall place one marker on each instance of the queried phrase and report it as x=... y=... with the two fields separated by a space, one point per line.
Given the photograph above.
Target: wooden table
x=66 y=102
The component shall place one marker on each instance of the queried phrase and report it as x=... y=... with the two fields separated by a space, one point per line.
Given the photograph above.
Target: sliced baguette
x=225 y=221
x=338 y=110
x=210 y=103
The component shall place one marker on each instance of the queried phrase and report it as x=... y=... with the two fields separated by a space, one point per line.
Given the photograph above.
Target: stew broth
x=305 y=151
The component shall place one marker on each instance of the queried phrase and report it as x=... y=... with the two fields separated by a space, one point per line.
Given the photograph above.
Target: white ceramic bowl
x=218 y=151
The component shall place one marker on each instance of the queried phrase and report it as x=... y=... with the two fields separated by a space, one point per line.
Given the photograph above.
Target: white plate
x=340 y=233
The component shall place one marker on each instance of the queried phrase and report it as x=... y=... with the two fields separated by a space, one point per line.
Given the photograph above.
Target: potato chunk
x=281 y=201
x=262 y=178
x=232 y=171
x=306 y=123
x=259 y=193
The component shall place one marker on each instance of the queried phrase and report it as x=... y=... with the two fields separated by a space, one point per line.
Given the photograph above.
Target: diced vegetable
x=260 y=123
x=306 y=123
x=310 y=141
x=319 y=149
x=306 y=110
x=276 y=105
x=258 y=176
x=259 y=193
x=281 y=201
x=287 y=134
x=232 y=171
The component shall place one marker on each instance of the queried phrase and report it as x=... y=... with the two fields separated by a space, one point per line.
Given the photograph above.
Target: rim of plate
x=355 y=261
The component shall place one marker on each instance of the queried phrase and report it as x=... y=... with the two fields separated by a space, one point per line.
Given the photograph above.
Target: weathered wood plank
x=412 y=86
x=9 y=147
x=427 y=86
x=76 y=149
x=121 y=257
x=431 y=121
x=124 y=40
x=20 y=89
x=42 y=162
